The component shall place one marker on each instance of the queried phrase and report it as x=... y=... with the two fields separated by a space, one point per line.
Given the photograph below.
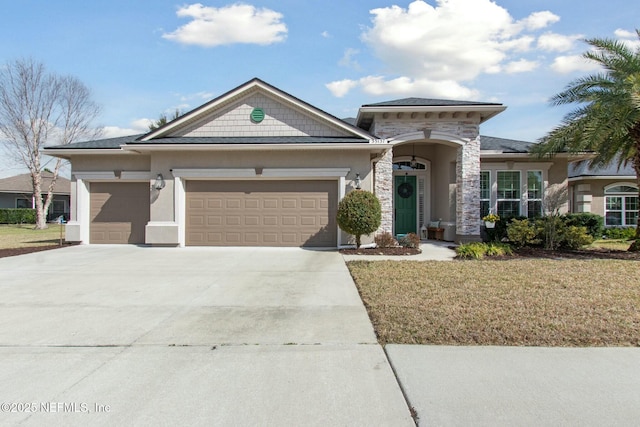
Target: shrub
x=498 y=249
x=499 y=233
x=593 y=223
x=473 y=250
x=477 y=250
x=385 y=240
x=622 y=233
x=411 y=240
x=17 y=216
x=549 y=231
x=575 y=237
x=359 y=213
x=521 y=233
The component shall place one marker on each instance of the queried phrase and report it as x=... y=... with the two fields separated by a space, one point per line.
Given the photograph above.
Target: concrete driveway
x=109 y=335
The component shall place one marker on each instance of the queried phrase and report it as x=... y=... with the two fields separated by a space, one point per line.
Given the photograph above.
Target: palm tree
x=607 y=118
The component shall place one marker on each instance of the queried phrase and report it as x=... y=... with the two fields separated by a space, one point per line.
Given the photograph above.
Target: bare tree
x=40 y=108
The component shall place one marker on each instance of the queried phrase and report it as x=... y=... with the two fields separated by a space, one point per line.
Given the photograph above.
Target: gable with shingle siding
x=280 y=120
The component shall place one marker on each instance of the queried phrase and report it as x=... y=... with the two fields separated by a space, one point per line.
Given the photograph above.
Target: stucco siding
x=588 y=194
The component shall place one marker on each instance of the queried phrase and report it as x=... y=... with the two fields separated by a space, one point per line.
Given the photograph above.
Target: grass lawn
x=530 y=302
x=611 y=244
x=23 y=236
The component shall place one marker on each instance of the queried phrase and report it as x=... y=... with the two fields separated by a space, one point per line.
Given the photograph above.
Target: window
x=534 y=194
x=508 y=196
x=406 y=166
x=621 y=205
x=485 y=193
x=23 y=204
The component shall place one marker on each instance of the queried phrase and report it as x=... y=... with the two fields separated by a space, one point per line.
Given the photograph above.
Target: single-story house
x=257 y=166
x=17 y=192
x=610 y=191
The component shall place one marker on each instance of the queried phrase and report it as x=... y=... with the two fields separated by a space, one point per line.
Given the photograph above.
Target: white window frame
x=484 y=199
x=520 y=192
x=523 y=167
x=531 y=199
x=623 y=195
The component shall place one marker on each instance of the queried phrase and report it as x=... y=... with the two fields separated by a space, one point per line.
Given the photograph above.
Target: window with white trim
x=621 y=205
x=485 y=193
x=534 y=194
x=508 y=196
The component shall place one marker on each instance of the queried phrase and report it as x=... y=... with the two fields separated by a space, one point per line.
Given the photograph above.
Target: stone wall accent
x=383 y=188
x=391 y=128
x=468 y=190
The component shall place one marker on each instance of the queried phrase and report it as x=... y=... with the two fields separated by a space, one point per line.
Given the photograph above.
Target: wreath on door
x=405 y=190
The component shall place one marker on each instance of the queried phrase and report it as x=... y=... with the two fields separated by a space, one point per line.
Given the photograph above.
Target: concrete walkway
x=519 y=386
x=124 y=335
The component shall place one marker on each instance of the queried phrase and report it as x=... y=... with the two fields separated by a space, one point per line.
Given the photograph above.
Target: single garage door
x=119 y=212
x=261 y=213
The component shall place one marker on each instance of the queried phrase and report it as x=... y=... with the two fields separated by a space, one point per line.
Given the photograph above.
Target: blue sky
x=143 y=58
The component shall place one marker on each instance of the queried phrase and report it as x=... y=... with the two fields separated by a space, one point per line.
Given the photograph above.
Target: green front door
x=405 y=204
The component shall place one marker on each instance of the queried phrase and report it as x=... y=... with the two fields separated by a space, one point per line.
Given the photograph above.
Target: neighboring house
x=610 y=191
x=257 y=166
x=17 y=192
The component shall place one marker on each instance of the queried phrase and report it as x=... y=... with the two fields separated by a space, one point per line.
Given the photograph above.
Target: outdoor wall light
x=159 y=184
x=358 y=182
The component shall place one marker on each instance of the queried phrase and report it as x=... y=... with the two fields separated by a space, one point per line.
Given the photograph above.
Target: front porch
x=429 y=173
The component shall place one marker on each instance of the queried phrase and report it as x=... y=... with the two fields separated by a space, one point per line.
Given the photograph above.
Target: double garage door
x=224 y=213
x=261 y=213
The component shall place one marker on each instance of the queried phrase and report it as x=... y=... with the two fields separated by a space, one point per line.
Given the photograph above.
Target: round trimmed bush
x=359 y=213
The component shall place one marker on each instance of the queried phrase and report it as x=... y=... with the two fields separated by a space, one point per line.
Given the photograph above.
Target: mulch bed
x=381 y=251
x=21 y=251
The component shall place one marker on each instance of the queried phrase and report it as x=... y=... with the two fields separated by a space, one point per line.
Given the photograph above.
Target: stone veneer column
x=383 y=188
x=468 y=191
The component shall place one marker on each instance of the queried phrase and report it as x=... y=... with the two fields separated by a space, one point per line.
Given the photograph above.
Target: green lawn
x=22 y=236
x=532 y=302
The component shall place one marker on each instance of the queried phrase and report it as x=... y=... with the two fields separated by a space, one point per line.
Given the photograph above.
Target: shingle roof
x=426 y=102
x=22 y=184
x=109 y=143
x=134 y=140
x=582 y=169
x=491 y=143
x=251 y=140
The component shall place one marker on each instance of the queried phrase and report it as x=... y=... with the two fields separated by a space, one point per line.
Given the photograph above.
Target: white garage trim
x=181 y=175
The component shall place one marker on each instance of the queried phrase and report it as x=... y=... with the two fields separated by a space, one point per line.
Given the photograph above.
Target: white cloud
x=347 y=59
x=629 y=38
x=325 y=34
x=136 y=127
x=521 y=66
x=624 y=34
x=436 y=47
x=236 y=23
x=570 y=63
x=341 y=87
x=538 y=20
x=378 y=85
x=557 y=42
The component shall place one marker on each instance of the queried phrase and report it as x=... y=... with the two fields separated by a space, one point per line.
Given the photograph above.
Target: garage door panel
x=251 y=220
x=119 y=212
x=264 y=213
